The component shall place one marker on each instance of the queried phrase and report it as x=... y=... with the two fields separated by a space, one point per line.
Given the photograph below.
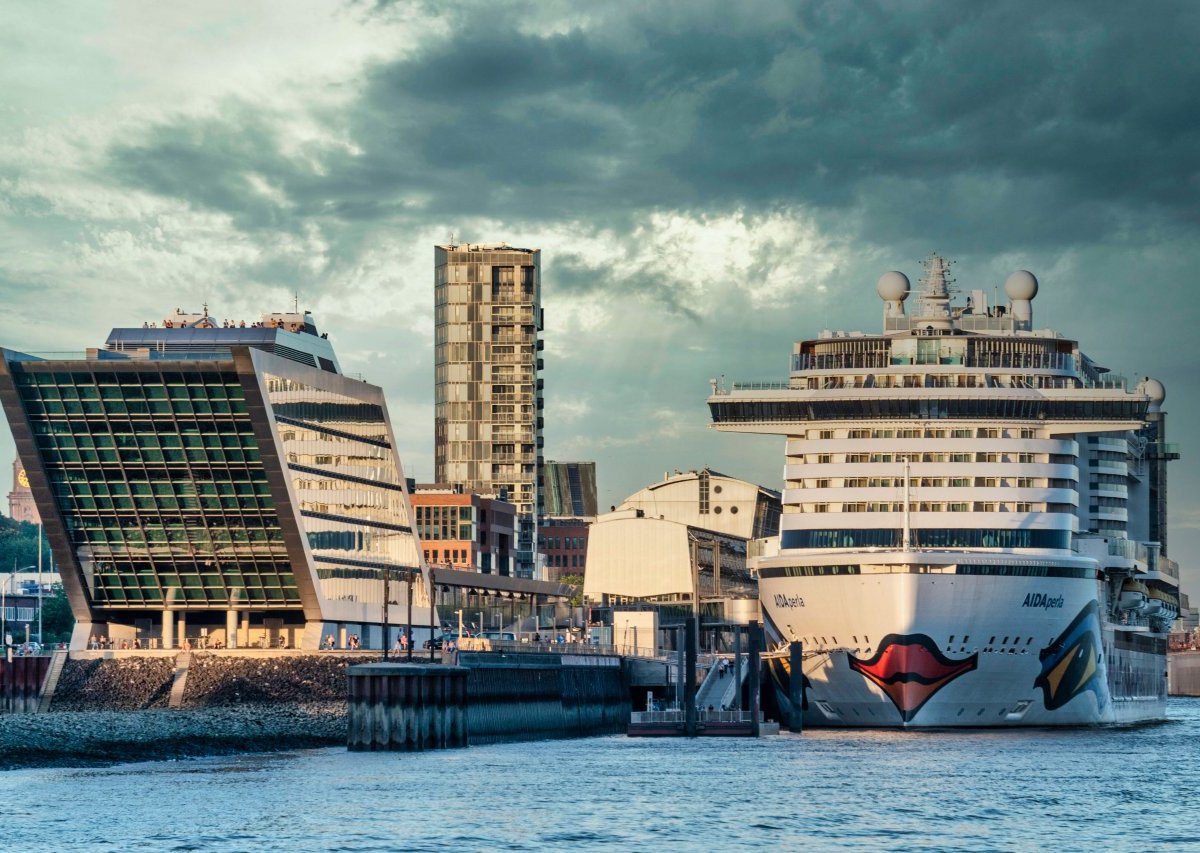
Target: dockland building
x=217 y=483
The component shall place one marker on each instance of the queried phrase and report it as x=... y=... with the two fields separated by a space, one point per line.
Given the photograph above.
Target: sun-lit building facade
x=488 y=390
x=223 y=486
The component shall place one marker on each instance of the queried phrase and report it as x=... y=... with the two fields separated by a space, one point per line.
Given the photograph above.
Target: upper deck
x=292 y=335
x=942 y=360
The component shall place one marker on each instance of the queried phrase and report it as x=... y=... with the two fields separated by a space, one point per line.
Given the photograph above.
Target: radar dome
x=1154 y=389
x=893 y=286
x=1021 y=285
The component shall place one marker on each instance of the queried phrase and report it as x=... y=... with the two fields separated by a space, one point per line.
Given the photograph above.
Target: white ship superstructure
x=974 y=519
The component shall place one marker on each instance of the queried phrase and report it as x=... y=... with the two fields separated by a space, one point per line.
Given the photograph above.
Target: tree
x=18 y=545
x=577 y=582
x=57 y=620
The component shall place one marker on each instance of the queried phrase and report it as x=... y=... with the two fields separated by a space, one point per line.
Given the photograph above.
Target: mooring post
x=679 y=666
x=737 y=668
x=689 y=693
x=754 y=640
x=796 y=686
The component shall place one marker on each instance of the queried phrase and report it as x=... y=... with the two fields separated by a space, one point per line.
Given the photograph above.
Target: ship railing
x=1111 y=381
x=761 y=386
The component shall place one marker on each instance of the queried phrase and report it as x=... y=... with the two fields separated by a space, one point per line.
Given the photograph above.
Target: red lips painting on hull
x=909 y=668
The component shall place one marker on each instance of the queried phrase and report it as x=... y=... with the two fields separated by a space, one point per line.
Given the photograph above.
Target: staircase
x=719 y=691
x=182 y=661
x=58 y=659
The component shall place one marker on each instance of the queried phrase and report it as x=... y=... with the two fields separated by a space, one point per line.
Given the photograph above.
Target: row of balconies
x=921 y=444
x=1065 y=497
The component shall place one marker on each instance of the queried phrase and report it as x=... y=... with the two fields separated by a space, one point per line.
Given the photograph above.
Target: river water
x=1127 y=789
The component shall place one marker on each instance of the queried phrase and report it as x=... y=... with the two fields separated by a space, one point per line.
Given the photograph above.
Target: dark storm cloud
x=1006 y=123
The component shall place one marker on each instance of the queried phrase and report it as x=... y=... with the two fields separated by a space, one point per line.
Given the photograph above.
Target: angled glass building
x=219 y=487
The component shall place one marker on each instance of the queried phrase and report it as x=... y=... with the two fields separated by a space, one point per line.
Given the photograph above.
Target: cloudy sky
x=707 y=181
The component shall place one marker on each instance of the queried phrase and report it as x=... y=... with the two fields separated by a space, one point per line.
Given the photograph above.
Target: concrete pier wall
x=484 y=699
x=1183 y=673
x=21 y=683
x=406 y=707
x=530 y=697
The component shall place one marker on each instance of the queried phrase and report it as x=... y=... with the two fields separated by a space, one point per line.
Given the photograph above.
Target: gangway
x=721 y=687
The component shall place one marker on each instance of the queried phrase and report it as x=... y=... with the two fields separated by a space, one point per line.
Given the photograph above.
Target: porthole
x=716 y=490
x=733 y=510
x=717 y=510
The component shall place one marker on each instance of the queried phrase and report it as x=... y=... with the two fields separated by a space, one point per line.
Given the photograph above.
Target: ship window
x=966 y=638
x=992 y=641
x=1005 y=643
x=951 y=640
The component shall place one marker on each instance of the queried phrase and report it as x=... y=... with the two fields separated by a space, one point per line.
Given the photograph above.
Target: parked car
x=507 y=636
x=440 y=642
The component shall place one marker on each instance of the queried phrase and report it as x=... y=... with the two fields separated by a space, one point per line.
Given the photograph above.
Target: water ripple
x=952 y=791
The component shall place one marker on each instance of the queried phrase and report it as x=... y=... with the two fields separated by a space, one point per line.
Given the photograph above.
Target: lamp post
x=41 y=639
x=387 y=594
x=412 y=576
x=432 y=609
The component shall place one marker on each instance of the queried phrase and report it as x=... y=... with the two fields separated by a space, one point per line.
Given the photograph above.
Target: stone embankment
x=114 y=684
x=114 y=709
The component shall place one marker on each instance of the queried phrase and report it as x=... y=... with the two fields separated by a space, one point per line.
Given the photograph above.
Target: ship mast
x=906 y=541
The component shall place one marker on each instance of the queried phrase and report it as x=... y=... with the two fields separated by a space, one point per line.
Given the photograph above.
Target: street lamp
x=41 y=639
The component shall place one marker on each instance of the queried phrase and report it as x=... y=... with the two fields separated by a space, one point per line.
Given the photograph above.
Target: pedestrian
x=403 y=641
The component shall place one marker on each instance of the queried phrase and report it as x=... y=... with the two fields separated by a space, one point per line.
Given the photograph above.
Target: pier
x=485 y=698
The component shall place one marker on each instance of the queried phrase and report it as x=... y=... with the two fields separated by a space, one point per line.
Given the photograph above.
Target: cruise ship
x=974 y=519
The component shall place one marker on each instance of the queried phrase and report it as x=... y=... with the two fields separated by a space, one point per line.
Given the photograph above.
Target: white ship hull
x=935 y=650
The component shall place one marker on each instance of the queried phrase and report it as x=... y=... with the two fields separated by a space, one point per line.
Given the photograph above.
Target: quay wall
x=531 y=697
x=486 y=698
x=1183 y=673
x=21 y=683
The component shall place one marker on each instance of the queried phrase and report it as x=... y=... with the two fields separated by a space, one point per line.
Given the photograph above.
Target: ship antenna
x=906 y=541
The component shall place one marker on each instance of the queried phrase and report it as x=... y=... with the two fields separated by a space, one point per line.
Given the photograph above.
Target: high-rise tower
x=488 y=394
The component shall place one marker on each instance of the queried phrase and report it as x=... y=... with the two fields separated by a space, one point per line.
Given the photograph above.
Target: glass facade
x=927 y=537
x=348 y=486
x=158 y=477
x=891 y=408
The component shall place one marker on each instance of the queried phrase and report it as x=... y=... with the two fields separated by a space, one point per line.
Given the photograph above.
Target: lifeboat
x=1134 y=596
x=1167 y=604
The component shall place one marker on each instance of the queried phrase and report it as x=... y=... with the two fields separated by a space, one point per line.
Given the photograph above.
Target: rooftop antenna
x=450 y=241
x=296 y=302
